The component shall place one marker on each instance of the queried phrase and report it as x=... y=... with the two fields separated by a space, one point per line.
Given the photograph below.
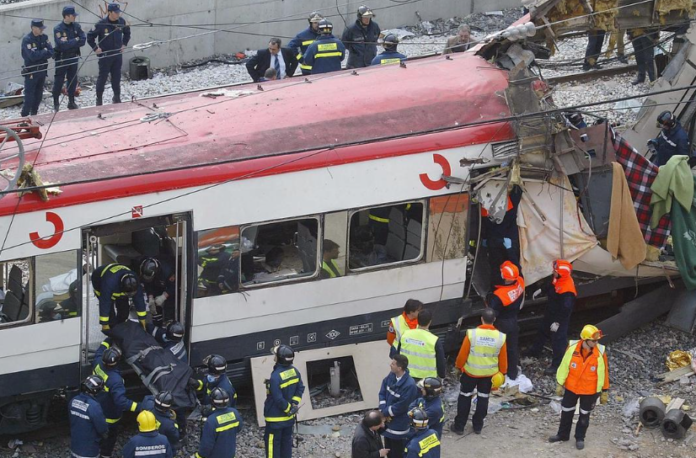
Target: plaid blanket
x=640 y=174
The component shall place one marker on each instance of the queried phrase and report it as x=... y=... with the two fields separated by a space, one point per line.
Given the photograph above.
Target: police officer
x=305 y=38
x=213 y=261
x=69 y=39
x=425 y=443
x=171 y=338
x=148 y=442
x=671 y=141
x=87 y=421
x=219 y=434
x=159 y=284
x=216 y=378
x=390 y=55
x=108 y=39
x=161 y=407
x=283 y=395
x=36 y=50
x=431 y=403
x=398 y=391
x=361 y=39
x=327 y=52
x=115 y=285
x=113 y=399
x=507 y=301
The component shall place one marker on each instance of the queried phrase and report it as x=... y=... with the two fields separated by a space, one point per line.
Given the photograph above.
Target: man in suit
x=282 y=60
x=460 y=42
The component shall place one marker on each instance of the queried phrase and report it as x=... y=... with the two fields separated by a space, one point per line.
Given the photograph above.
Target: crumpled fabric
x=677 y=359
x=624 y=240
x=674 y=180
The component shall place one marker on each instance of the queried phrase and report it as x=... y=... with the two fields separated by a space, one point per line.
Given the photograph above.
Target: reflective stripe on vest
x=399 y=325
x=576 y=368
x=418 y=345
x=428 y=444
x=483 y=354
x=395 y=60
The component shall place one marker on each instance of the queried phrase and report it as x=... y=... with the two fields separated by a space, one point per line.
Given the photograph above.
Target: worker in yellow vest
x=483 y=355
x=329 y=265
x=424 y=350
x=584 y=372
x=400 y=324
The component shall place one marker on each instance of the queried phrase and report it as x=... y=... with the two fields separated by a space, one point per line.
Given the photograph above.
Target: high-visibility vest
x=508 y=294
x=331 y=269
x=418 y=345
x=582 y=376
x=483 y=354
x=399 y=325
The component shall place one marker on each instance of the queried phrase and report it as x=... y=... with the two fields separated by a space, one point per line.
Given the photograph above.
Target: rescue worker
x=71 y=305
x=108 y=39
x=644 y=48
x=115 y=285
x=87 y=421
x=161 y=407
x=329 y=266
x=398 y=391
x=424 y=350
x=507 y=301
x=595 y=40
x=425 y=443
x=671 y=141
x=283 y=395
x=159 y=284
x=367 y=443
x=584 y=372
x=219 y=433
x=502 y=238
x=148 y=442
x=327 y=52
x=171 y=338
x=216 y=378
x=36 y=50
x=399 y=324
x=69 y=39
x=302 y=40
x=213 y=261
x=483 y=354
x=390 y=55
x=361 y=39
x=431 y=402
x=561 y=300
x=113 y=399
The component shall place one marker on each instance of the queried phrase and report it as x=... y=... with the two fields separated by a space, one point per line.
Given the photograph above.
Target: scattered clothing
x=625 y=239
x=684 y=241
x=674 y=179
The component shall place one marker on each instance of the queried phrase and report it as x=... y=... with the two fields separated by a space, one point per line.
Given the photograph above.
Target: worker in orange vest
x=584 y=372
x=400 y=324
x=507 y=301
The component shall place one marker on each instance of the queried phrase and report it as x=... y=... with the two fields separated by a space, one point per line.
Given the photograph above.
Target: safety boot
x=99 y=99
x=557 y=438
x=71 y=103
x=116 y=98
x=579 y=444
x=56 y=103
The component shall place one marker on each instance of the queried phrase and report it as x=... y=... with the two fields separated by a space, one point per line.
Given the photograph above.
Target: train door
x=165 y=238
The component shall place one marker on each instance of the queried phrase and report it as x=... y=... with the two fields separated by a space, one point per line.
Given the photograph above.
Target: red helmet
x=509 y=271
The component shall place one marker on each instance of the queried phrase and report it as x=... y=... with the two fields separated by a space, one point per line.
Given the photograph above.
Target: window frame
x=30 y=284
x=80 y=275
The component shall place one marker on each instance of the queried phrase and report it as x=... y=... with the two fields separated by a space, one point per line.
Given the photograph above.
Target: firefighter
x=398 y=391
x=361 y=39
x=400 y=324
x=69 y=39
x=36 y=50
x=424 y=350
x=305 y=38
x=390 y=55
x=283 y=395
x=161 y=407
x=584 y=372
x=71 y=306
x=212 y=261
x=115 y=285
x=108 y=39
x=113 y=399
x=159 y=284
x=425 y=443
x=327 y=52
x=431 y=402
x=87 y=421
x=216 y=378
x=507 y=301
x=149 y=442
x=671 y=141
x=219 y=433
x=171 y=338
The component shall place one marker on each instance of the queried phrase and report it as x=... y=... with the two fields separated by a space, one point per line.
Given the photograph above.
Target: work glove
x=554 y=327
x=604 y=398
x=507 y=243
x=293 y=409
x=559 y=390
x=159 y=300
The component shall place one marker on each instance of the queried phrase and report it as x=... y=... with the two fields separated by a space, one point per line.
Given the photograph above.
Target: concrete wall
x=242 y=20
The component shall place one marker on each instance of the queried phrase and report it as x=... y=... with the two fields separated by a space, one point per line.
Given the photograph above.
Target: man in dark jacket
x=69 y=39
x=36 y=50
x=327 y=52
x=367 y=442
x=87 y=421
x=361 y=39
x=219 y=433
x=305 y=38
x=116 y=285
x=283 y=60
x=671 y=141
x=161 y=408
x=396 y=395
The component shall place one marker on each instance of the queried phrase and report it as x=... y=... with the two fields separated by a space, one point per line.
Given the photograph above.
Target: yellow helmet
x=590 y=332
x=498 y=379
x=146 y=421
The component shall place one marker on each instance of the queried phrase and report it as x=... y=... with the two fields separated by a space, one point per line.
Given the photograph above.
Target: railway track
x=588 y=76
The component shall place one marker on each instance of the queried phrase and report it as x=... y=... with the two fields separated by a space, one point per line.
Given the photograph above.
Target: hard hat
x=390 y=42
x=498 y=379
x=148 y=269
x=431 y=385
x=562 y=267
x=111 y=356
x=92 y=385
x=325 y=26
x=164 y=401
x=590 y=332
x=129 y=284
x=284 y=353
x=509 y=271
x=72 y=289
x=146 y=421
x=365 y=11
x=665 y=119
x=419 y=418
x=175 y=331
x=315 y=17
x=217 y=365
x=219 y=397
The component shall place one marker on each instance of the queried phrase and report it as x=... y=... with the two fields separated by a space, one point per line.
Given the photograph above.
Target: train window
x=218 y=261
x=15 y=295
x=386 y=235
x=447 y=227
x=333 y=262
x=57 y=286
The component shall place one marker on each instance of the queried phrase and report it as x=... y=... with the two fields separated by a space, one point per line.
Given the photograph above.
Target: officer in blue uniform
x=327 y=52
x=216 y=378
x=148 y=442
x=361 y=39
x=87 y=421
x=161 y=408
x=219 y=434
x=425 y=443
x=283 y=395
x=397 y=393
x=305 y=38
x=69 y=39
x=672 y=140
x=390 y=55
x=36 y=50
x=170 y=338
x=431 y=403
x=159 y=283
x=108 y=39
x=115 y=285
x=113 y=399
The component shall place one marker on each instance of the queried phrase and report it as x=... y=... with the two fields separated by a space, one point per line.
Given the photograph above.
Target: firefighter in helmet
x=390 y=55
